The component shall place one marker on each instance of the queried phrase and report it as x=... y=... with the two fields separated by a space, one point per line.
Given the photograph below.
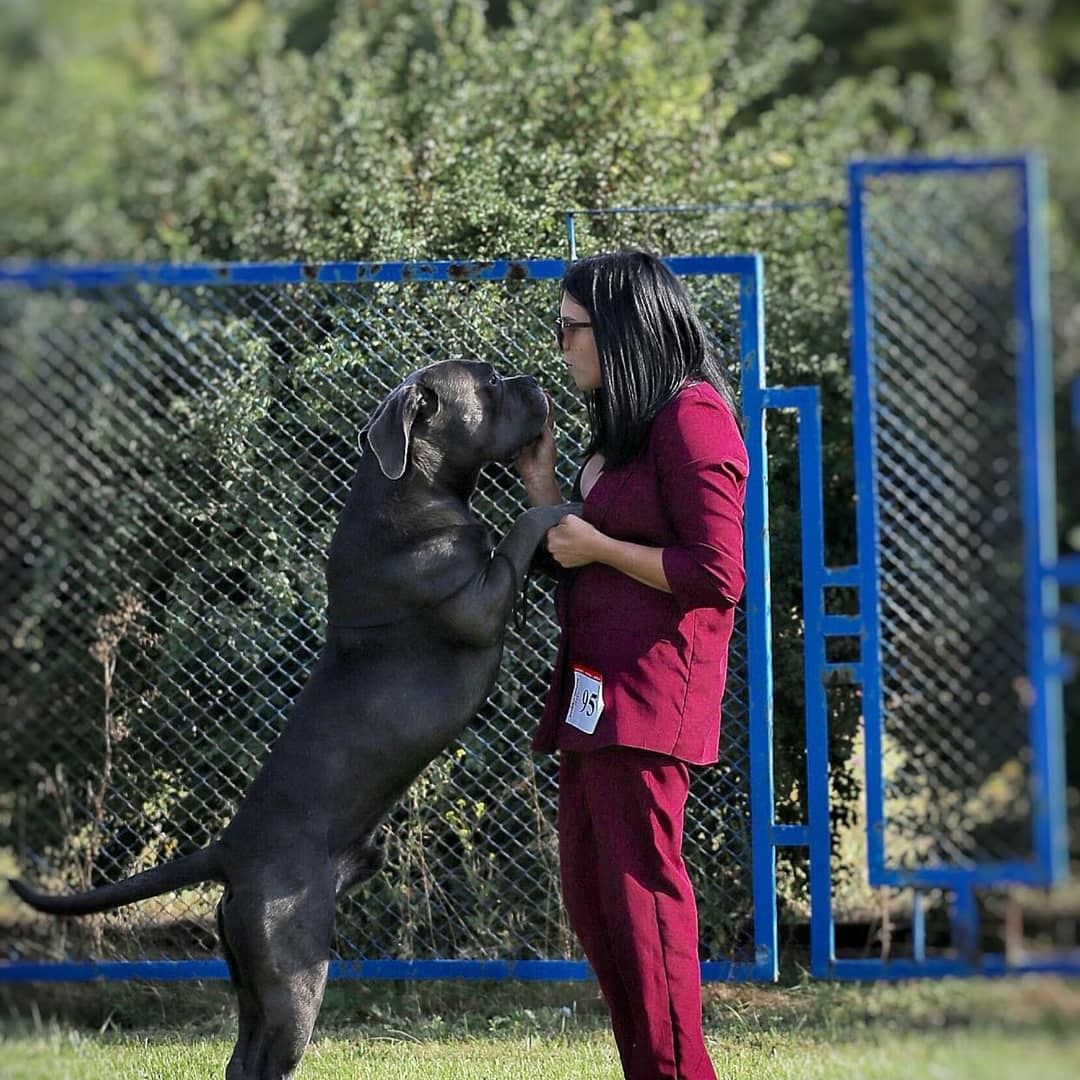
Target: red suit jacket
x=661 y=659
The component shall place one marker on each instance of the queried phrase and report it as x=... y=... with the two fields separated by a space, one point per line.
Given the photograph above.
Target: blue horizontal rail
x=413 y=970
x=790 y=835
x=45 y=275
x=842 y=577
x=878 y=166
x=990 y=964
x=962 y=877
x=1067 y=571
x=1065 y=963
x=51 y=275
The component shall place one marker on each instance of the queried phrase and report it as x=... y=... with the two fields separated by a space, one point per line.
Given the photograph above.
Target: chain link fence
x=942 y=271
x=173 y=463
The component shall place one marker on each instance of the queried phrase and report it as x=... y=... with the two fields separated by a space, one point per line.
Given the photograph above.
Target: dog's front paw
x=549 y=516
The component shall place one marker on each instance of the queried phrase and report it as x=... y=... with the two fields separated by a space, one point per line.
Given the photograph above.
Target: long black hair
x=650 y=342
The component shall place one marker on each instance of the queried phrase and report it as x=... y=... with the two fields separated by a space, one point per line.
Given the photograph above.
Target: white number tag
x=588 y=701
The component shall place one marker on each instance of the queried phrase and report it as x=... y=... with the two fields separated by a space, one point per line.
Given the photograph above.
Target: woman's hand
x=536 y=460
x=536 y=465
x=574 y=542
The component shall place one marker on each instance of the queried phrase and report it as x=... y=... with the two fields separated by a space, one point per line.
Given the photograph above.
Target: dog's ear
x=389 y=431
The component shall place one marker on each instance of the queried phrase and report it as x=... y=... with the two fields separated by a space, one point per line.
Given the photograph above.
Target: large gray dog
x=418 y=606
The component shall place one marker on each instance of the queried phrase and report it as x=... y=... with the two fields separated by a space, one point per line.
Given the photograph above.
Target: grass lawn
x=1020 y=1027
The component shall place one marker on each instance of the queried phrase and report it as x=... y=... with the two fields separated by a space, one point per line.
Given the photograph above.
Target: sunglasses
x=563 y=324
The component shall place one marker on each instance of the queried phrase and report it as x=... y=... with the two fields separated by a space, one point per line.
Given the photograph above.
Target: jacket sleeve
x=702 y=465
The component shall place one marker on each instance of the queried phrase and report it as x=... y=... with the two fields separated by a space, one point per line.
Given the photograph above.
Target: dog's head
x=455 y=416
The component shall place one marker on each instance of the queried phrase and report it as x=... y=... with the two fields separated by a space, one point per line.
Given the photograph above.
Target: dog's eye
x=494 y=380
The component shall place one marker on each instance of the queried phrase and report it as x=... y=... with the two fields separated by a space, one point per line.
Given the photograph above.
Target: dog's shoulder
x=413 y=574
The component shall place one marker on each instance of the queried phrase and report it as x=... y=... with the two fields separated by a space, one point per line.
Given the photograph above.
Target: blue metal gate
x=954 y=601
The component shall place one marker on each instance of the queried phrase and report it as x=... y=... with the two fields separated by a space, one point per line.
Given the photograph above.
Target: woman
x=650 y=575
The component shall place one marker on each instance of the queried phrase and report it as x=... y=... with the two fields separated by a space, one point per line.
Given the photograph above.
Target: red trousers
x=631 y=904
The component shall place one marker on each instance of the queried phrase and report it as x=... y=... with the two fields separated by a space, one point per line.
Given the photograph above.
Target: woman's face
x=579 y=346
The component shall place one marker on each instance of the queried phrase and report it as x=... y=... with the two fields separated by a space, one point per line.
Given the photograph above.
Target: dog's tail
x=203 y=865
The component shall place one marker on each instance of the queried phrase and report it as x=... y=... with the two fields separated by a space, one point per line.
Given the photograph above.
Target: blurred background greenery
x=322 y=129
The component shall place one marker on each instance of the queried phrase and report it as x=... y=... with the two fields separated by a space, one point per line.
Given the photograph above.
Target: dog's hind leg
x=282 y=948
x=356 y=864
x=242 y=1063
x=289 y=1011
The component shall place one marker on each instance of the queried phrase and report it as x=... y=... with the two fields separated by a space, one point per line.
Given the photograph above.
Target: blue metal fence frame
x=1036 y=427
x=749 y=272
x=1045 y=572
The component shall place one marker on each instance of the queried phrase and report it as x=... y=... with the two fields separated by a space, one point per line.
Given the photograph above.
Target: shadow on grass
x=431 y=1011
x=839 y=1012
